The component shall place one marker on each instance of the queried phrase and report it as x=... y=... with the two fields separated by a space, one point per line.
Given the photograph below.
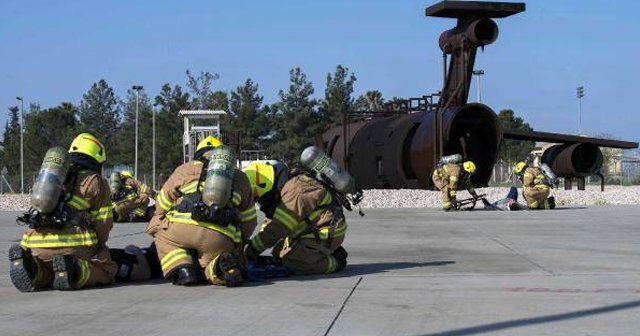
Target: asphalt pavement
x=570 y=271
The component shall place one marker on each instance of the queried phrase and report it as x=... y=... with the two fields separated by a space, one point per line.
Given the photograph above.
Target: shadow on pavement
x=486 y=328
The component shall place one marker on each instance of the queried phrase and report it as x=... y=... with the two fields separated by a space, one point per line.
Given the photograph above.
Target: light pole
x=136 y=88
x=21 y=146
x=478 y=73
x=580 y=94
x=153 y=147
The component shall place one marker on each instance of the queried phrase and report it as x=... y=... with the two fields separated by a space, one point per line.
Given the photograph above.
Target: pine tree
x=514 y=150
x=294 y=119
x=100 y=113
x=247 y=116
x=338 y=100
x=124 y=152
x=11 y=148
x=169 y=128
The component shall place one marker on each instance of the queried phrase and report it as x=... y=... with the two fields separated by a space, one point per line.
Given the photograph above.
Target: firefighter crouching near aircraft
x=449 y=176
x=130 y=197
x=536 y=186
x=69 y=223
x=304 y=222
x=204 y=207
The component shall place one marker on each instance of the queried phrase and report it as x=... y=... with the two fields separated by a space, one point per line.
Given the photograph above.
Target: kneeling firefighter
x=304 y=222
x=536 y=185
x=203 y=212
x=449 y=175
x=130 y=198
x=69 y=223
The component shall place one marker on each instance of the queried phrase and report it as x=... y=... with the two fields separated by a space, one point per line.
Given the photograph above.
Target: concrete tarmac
x=571 y=271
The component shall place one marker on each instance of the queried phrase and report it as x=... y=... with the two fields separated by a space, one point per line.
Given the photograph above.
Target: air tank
x=218 y=184
x=454 y=158
x=313 y=158
x=50 y=182
x=115 y=183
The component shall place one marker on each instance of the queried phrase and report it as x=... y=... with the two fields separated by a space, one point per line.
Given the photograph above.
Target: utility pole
x=478 y=73
x=21 y=145
x=137 y=88
x=580 y=94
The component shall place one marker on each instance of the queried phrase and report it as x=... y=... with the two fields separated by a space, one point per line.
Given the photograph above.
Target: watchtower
x=198 y=124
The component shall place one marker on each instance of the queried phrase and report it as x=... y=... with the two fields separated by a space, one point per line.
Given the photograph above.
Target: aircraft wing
x=516 y=134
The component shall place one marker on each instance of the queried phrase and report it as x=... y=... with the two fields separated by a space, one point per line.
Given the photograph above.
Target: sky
x=52 y=51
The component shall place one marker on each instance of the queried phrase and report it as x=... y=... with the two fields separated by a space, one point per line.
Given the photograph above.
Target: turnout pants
x=308 y=256
x=443 y=186
x=94 y=265
x=536 y=197
x=176 y=240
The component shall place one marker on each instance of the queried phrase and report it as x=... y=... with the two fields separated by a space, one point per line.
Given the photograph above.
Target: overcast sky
x=52 y=51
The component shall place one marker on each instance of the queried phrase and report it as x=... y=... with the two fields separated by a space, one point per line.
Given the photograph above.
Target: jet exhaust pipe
x=573 y=160
x=479 y=33
x=398 y=152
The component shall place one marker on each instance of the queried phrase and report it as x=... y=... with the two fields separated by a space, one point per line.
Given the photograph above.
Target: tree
x=169 y=127
x=100 y=113
x=203 y=97
x=337 y=96
x=294 y=119
x=11 y=148
x=45 y=129
x=247 y=116
x=514 y=150
x=371 y=101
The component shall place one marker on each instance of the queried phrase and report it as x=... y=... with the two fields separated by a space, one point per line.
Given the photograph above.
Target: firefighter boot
x=550 y=203
x=23 y=268
x=186 y=275
x=132 y=264
x=228 y=269
x=341 y=257
x=66 y=272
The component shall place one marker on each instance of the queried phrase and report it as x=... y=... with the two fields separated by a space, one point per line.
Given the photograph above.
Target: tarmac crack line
x=518 y=253
x=342 y=308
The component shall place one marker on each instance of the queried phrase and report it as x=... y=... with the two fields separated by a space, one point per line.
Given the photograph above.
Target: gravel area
x=408 y=198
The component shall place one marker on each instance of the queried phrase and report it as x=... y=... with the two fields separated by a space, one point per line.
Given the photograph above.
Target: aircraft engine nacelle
x=573 y=160
x=479 y=33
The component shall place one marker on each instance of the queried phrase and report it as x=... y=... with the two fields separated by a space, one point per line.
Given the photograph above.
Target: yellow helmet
x=205 y=144
x=88 y=145
x=126 y=173
x=520 y=167
x=469 y=167
x=266 y=176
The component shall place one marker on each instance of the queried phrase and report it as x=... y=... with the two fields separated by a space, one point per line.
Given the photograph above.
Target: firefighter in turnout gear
x=192 y=236
x=130 y=198
x=304 y=221
x=69 y=223
x=449 y=177
x=536 y=186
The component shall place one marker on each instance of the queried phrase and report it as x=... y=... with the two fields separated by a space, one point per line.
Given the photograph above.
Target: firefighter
x=193 y=236
x=130 y=198
x=304 y=222
x=448 y=177
x=69 y=223
x=536 y=186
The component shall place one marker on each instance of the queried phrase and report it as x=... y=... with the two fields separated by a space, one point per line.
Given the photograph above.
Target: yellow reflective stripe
x=331 y=267
x=257 y=243
x=249 y=214
x=101 y=214
x=283 y=217
x=49 y=240
x=164 y=201
x=528 y=175
x=452 y=193
x=542 y=187
x=144 y=188
x=189 y=188
x=185 y=218
x=85 y=273
x=236 y=198
x=533 y=204
x=453 y=179
x=78 y=203
x=173 y=257
x=211 y=268
x=324 y=232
